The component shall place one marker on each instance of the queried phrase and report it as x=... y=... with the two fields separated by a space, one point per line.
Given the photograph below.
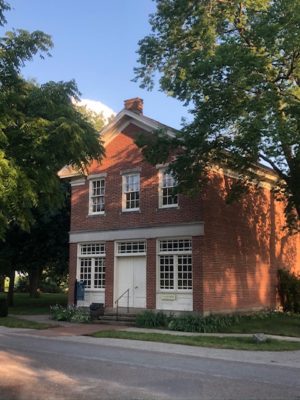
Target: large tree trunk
x=34 y=280
x=2 y=282
x=10 y=294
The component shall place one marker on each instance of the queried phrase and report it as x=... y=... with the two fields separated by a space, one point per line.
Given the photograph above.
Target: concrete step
x=111 y=317
x=120 y=318
x=115 y=322
x=125 y=315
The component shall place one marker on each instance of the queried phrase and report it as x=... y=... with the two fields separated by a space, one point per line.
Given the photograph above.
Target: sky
x=95 y=43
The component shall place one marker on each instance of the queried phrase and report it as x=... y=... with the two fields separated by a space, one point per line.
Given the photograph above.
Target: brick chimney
x=135 y=105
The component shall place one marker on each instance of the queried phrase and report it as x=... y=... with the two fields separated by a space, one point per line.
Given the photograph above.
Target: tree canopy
x=98 y=120
x=40 y=131
x=236 y=65
x=45 y=247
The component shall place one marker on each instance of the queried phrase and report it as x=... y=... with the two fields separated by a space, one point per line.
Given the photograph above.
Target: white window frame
x=175 y=254
x=92 y=255
x=91 y=196
x=161 y=173
x=124 y=191
x=131 y=244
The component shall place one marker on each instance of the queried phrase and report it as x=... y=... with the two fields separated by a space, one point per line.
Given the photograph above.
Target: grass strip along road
x=226 y=342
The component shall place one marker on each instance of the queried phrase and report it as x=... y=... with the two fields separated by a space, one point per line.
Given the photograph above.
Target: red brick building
x=129 y=230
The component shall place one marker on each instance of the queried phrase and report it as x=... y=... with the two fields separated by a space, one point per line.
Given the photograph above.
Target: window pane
x=99 y=275
x=175 y=245
x=184 y=272
x=131 y=247
x=85 y=271
x=132 y=191
x=168 y=190
x=97 y=196
x=92 y=248
x=166 y=272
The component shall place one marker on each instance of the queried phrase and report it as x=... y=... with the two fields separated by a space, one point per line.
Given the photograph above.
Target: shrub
x=198 y=323
x=22 y=284
x=48 y=285
x=289 y=290
x=70 y=314
x=185 y=323
x=151 y=319
x=3 y=308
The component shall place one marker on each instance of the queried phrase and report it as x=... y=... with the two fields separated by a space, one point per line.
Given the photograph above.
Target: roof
x=119 y=123
x=124 y=118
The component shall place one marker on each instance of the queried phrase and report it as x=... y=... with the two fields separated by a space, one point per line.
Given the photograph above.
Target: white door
x=132 y=275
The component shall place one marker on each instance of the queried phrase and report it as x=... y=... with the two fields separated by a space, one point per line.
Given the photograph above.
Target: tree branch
x=280 y=173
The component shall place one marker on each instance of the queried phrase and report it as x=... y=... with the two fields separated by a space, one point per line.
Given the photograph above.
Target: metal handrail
x=117 y=302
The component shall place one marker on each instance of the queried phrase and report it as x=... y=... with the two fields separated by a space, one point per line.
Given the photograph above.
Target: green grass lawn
x=13 y=322
x=275 y=324
x=203 y=341
x=25 y=305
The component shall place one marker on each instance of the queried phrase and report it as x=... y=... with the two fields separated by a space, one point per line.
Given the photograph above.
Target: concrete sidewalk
x=63 y=328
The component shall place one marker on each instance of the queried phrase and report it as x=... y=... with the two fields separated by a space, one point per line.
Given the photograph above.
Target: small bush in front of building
x=151 y=319
x=186 y=322
x=289 y=290
x=3 y=308
x=198 y=323
x=70 y=314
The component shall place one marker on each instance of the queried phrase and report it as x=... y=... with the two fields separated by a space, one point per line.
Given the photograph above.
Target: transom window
x=167 y=192
x=91 y=265
x=92 y=248
x=134 y=247
x=97 y=196
x=175 y=245
x=175 y=265
x=131 y=192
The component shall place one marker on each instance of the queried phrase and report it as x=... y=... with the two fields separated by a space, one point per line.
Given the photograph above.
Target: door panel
x=132 y=274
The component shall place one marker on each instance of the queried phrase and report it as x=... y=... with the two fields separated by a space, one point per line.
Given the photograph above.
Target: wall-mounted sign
x=168 y=297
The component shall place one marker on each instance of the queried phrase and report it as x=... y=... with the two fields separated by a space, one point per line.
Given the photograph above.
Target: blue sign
x=80 y=286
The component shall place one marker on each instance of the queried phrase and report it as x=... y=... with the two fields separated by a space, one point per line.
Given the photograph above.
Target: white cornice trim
x=95 y=176
x=143 y=122
x=195 y=229
x=77 y=182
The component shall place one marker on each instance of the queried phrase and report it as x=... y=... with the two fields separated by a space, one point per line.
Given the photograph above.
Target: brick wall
x=234 y=265
x=122 y=154
x=243 y=247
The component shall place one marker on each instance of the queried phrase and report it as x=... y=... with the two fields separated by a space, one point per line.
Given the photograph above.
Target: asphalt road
x=35 y=368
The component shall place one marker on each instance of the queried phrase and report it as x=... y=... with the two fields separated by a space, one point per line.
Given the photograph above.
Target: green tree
x=236 y=65
x=42 y=249
x=95 y=119
x=40 y=132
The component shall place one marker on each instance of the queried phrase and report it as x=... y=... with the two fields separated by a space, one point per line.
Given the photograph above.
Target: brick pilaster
x=197 y=242
x=109 y=274
x=151 y=274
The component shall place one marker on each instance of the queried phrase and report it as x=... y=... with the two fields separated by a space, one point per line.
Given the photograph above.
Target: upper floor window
x=167 y=190
x=97 y=196
x=131 y=192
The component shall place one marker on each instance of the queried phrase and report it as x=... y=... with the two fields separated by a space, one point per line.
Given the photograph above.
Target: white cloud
x=97 y=107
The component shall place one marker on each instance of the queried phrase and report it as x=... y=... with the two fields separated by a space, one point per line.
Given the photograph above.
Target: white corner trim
x=195 y=229
x=95 y=176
